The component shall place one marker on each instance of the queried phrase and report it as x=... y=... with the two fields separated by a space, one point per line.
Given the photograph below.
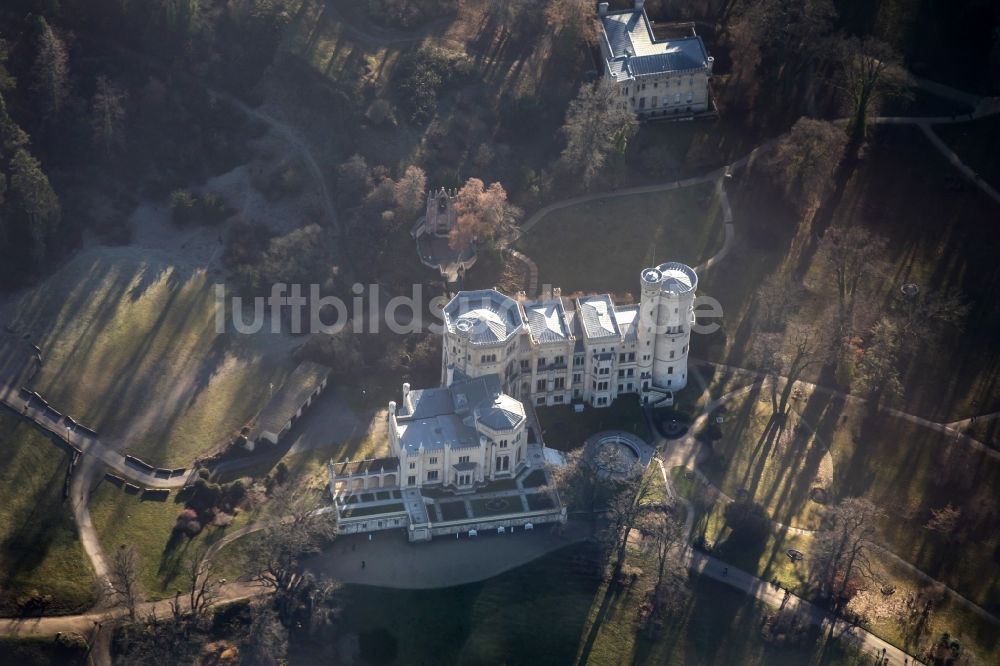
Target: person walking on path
x=362 y=564
x=725 y=571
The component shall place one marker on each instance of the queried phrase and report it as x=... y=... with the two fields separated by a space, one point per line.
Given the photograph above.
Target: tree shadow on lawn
x=909 y=470
x=788 y=492
x=27 y=545
x=736 y=424
x=766 y=229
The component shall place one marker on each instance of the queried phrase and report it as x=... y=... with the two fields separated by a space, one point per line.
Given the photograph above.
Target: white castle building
x=556 y=351
x=498 y=353
x=656 y=78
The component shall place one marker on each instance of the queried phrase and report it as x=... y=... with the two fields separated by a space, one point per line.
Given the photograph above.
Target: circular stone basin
x=620 y=458
x=910 y=289
x=795 y=555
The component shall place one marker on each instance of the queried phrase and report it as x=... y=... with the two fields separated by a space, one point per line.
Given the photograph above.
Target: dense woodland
x=107 y=102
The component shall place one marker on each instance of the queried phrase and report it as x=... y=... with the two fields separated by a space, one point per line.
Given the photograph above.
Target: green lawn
x=938 y=238
x=563 y=429
x=130 y=348
x=121 y=518
x=545 y=612
x=910 y=470
x=373 y=510
x=768 y=560
x=777 y=468
x=39 y=548
x=601 y=246
x=906 y=469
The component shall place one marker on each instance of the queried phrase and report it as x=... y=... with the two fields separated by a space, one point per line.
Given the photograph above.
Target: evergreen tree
x=34 y=202
x=50 y=70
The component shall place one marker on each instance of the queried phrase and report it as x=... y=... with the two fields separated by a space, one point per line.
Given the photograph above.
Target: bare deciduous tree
x=598 y=124
x=841 y=549
x=203 y=586
x=776 y=300
x=921 y=318
x=870 y=72
x=854 y=256
x=803 y=346
x=803 y=161
x=123 y=577
x=277 y=549
x=354 y=179
x=769 y=37
x=575 y=18
x=945 y=520
x=663 y=535
x=265 y=640
x=876 y=364
x=628 y=503
x=584 y=482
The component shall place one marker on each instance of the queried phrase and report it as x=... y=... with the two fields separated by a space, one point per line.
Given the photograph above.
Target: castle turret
x=666 y=317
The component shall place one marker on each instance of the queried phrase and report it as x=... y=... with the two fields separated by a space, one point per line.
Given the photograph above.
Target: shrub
x=421 y=79
x=192 y=528
x=205 y=496
x=187 y=209
x=748 y=521
x=234 y=493
x=182 y=207
x=281 y=472
x=211 y=210
x=71 y=641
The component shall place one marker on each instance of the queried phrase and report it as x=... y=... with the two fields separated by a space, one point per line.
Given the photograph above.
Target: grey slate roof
x=627 y=317
x=596 y=317
x=504 y=413
x=636 y=52
x=547 y=320
x=448 y=414
x=486 y=316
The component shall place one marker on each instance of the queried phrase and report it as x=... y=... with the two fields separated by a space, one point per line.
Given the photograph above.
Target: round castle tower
x=666 y=311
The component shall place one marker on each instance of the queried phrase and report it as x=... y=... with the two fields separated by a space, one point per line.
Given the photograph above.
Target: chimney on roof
x=639 y=4
x=407 y=398
x=602 y=9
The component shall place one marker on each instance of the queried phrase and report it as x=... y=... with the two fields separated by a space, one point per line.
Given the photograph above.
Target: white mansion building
x=591 y=351
x=500 y=352
x=657 y=78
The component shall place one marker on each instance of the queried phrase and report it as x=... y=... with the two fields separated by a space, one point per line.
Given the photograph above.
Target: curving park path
x=442 y=563
x=87 y=442
x=687 y=452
